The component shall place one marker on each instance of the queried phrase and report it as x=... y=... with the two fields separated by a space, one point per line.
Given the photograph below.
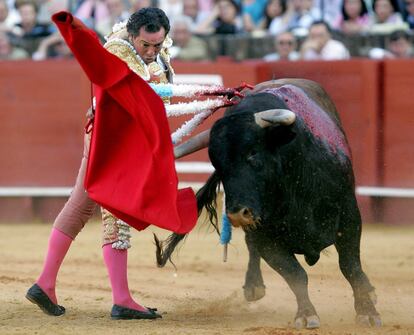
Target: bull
x=285 y=165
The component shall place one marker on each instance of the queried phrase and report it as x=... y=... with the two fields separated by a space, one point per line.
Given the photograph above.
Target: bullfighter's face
x=148 y=45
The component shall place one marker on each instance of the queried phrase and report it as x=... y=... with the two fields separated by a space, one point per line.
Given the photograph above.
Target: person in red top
x=129 y=168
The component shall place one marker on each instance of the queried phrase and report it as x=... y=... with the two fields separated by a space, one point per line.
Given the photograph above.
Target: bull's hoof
x=368 y=320
x=254 y=293
x=308 y=322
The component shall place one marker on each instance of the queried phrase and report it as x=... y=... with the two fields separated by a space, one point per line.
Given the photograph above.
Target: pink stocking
x=116 y=263
x=59 y=244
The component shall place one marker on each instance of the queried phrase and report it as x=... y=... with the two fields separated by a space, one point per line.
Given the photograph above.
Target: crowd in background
x=299 y=29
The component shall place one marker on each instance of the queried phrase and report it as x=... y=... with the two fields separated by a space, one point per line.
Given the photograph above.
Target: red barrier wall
x=42 y=108
x=398 y=153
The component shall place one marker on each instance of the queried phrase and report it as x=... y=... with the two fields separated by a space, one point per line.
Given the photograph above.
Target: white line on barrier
x=391 y=192
x=194 y=167
x=181 y=167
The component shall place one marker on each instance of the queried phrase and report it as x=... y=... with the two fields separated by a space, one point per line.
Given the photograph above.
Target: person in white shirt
x=285 y=47
x=319 y=44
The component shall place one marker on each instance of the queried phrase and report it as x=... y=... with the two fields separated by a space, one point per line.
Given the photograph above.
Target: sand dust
x=205 y=295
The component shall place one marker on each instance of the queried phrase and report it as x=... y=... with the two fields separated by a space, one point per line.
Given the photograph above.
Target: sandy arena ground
x=205 y=295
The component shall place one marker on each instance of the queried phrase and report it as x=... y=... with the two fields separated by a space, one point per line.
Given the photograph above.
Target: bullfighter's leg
x=115 y=246
x=70 y=221
x=254 y=288
x=348 y=247
x=286 y=264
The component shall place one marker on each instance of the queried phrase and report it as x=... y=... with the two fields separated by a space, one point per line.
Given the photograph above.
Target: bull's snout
x=242 y=218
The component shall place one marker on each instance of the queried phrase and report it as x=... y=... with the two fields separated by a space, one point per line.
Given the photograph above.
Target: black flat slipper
x=125 y=313
x=36 y=295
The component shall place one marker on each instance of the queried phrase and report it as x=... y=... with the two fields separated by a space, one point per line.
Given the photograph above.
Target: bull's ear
x=274 y=117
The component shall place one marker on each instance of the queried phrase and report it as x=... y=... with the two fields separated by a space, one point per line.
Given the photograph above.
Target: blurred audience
x=27 y=25
x=92 y=12
x=186 y=46
x=5 y=24
x=386 y=11
x=172 y=8
x=46 y=8
x=329 y=9
x=300 y=15
x=275 y=20
x=387 y=17
x=354 y=17
x=398 y=46
x=319 y=44
x=191 y=9
x=409 y=13
x=117 y=12
x=223 y=20
x=285 y=48
x=253 y=13
x=52 y=46
x=136 y=5
x=8 y=51
x=28 y=33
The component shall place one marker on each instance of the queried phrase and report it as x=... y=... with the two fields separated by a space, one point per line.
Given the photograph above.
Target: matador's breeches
x=115 y=231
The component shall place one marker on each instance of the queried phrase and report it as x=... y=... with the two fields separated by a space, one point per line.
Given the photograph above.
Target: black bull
x=285 y=166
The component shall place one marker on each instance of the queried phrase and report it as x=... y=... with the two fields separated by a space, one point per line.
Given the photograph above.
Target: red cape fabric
x=131 y=169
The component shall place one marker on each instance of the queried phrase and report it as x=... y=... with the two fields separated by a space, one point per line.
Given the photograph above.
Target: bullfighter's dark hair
x=151 y=18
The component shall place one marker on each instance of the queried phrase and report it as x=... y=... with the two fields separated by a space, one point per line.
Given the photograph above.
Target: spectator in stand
x=48 y=7
x=52 y=46
x=301 y=14
x=354 y=17
x=172 y=8
x=191 y=9
x=5 y=24
x=329 y=9
x=285 y=47
x=275 y=20
x=28 y=33
x=8 y=51
x=409 y=13
x=399 y=46
x=224 y=19
x=186 y=47
x=206 y=5
x=136 y=5
x=387 y=17
x=13 y=16
x=253 y=13
x=117 y=13
x=319 y=44
x=92 y=12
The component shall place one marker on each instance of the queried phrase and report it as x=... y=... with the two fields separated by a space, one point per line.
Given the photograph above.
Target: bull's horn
x=194 y=144
x=270 y=117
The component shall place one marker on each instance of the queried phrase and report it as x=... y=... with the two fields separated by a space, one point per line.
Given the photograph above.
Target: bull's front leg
x=254 y=288
x=286 y=264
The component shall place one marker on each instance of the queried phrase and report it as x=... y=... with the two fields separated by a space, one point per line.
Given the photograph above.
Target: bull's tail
x=206 y=198
x=164 y=249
